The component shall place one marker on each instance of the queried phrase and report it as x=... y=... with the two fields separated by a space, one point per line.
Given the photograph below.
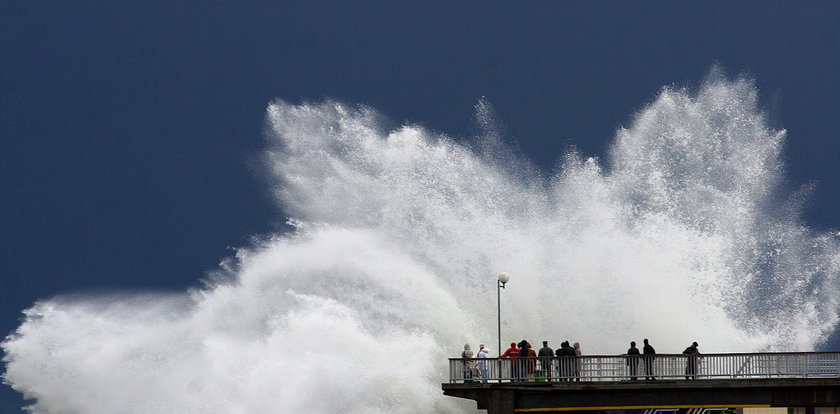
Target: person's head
x=645 y=341
x=466 y=347
x=513 y=344
x=632 y=344
x=545 y=343
x=694 y=345
x=576 y=345
x=480 y=347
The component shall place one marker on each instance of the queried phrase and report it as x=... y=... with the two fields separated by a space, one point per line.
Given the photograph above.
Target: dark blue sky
x=130 y=130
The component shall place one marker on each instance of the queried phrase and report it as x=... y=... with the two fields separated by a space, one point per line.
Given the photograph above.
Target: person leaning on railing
x=691 y=362
x=649 y=353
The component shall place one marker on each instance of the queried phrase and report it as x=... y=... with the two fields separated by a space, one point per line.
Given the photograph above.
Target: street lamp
x=503 y=278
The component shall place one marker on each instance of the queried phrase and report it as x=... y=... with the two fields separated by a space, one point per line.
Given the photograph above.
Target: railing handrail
x=661 y=354
x=631 y=367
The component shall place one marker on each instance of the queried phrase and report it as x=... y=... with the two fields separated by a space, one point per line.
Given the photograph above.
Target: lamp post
x=500 y=284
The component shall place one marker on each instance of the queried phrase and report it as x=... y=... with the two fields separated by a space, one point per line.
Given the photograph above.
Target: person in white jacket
x=483 y=352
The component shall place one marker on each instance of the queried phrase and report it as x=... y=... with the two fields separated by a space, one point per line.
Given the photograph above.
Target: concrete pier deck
x=615 y=383
x=540 y=397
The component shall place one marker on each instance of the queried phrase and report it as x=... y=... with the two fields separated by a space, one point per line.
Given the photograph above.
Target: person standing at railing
x=483 y=364
x=691 y=363
x=532 y=361
x=633 y=361
x=512 y=353
x=523 y=360
x=546 y=360
x=649 y=353
x=570 y=361
x=469 y=364
x=563 y=368
x=565 y=352
x=578 y=361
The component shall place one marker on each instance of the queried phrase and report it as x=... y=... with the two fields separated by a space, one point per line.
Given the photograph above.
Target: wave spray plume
x=399 y=236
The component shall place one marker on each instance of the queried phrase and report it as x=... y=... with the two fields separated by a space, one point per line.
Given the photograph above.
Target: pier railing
x=640 y=367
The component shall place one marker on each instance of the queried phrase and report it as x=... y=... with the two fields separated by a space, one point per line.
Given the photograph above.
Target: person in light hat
x=469 y=364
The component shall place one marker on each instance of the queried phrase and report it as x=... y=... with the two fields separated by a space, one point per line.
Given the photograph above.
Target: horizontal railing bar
x=658 y=366
x=680 y=355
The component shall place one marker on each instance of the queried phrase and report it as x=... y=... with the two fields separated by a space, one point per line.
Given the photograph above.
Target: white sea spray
x=682 y=234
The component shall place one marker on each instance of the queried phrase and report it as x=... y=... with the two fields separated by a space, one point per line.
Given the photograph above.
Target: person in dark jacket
x=570 y=361
x=563 y=362
x=546 y=355
x=560 y=353
x=649 y=353
x=523 y=363
x=633 y=361
x=691 y=362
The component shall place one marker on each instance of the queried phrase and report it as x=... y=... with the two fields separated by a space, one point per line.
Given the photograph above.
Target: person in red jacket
x=513 y=353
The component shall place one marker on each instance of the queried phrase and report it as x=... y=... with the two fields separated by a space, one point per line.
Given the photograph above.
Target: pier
x=605 y=383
